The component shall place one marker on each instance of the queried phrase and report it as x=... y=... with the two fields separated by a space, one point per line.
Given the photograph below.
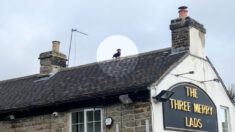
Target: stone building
x=171 y=89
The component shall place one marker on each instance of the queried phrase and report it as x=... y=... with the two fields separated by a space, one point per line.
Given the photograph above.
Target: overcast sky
x=27 y=28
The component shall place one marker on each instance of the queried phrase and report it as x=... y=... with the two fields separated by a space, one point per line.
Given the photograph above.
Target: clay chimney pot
x=183 y=12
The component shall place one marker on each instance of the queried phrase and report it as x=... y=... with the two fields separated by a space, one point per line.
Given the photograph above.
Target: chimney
x=52 y=60
x=187 y=34
x=183 y=12
x=56 y=46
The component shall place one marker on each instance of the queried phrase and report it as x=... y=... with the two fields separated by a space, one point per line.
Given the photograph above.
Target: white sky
x=110 y=45
x=27 y=28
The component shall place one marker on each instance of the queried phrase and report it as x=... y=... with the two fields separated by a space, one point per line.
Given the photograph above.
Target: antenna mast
x=71 y=38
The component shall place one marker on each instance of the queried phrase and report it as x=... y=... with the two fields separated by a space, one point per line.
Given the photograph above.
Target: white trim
x=102 y=119
x=147 y=125
x=228 y=117
x=85 y=118
x=70 y=122
x=117 y=128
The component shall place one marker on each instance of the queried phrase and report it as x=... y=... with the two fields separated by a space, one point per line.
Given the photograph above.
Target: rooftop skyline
x=29 y=27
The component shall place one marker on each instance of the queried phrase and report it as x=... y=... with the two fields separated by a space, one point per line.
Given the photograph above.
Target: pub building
x=166 y=90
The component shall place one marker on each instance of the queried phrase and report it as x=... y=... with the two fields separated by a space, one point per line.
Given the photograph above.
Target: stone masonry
x=130 y=118
x=52 y=59
x=43 y=123
x=180 y=28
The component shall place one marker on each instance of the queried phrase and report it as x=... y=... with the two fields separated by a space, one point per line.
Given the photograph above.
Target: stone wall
x=180 y=35
x=44 y=123
x=130 y=118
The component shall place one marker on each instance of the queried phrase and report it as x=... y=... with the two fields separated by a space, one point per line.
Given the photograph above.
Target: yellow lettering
x=179 y=105
x=211 y=109
x=187 y=106
x=191 y=92
x=175 y=104
x=193 y=122
x=196 y=108
x=195 y=93
x=199 y=123
x=187 y=91
x=202 y=109
x=207 y=110
x=171 y=103
x=186 y=122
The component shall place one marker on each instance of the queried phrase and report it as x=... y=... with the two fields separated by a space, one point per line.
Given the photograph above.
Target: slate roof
x=100 y=78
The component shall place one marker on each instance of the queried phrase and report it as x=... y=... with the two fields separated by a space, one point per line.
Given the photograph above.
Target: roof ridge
x=89 y=64
x=18 y=78
x=86 y=81
x=110 y=60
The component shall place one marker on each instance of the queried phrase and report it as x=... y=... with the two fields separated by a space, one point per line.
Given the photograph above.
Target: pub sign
x=189 y=109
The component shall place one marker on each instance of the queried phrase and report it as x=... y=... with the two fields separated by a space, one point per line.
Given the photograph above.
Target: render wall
x=197 y=42
x=130 y=118
x=202 y=71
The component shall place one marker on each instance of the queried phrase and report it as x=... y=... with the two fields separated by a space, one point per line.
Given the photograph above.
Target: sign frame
x=188 y=129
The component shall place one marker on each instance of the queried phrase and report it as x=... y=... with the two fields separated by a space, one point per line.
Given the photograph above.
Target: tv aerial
x=71 y=39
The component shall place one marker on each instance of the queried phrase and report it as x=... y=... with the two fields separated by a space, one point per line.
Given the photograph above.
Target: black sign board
x=190 y=109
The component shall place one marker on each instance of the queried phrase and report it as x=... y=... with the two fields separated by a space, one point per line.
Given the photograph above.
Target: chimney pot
x=56 y=46
x=183 y=12
x=187 y=34
x=51 y=60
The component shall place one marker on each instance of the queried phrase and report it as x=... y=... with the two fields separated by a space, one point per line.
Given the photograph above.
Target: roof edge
x=72 y=100
x=89 y=64
x=110 y=60
x=170 y=69
x=217 y=74
x=18 y=78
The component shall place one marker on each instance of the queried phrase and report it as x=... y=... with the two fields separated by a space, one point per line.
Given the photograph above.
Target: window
x=89 y=120
x=224 y=119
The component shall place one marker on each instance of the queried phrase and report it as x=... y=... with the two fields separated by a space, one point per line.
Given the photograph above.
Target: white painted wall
x=197 y=42
x=203 y=71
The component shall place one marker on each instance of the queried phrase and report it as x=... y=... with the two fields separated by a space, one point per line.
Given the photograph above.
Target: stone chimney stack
x=187 y=34
x=52 y=60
